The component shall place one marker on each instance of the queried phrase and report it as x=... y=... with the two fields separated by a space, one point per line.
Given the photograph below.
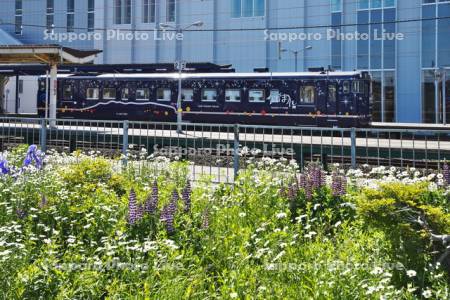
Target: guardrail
x=221 y=150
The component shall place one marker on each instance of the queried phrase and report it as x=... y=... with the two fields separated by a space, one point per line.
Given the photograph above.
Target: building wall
x=246 y=49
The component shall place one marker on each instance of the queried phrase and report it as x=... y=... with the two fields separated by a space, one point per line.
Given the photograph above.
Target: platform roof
x=44 y=54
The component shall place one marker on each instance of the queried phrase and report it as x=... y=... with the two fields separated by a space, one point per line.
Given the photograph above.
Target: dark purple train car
x=329 y=99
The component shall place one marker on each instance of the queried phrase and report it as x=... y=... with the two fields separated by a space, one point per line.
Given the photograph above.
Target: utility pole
x=180 y=65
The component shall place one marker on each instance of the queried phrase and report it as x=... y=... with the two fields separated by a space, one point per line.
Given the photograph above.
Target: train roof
x=217 y=75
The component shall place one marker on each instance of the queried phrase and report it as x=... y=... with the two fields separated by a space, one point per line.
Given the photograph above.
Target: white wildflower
x=281 y=215
x=427 y=294
x=411 y=273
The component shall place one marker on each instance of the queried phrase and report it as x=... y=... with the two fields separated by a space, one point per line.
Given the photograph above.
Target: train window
x=92 y=93
x=187 y=95
x=358 y=87
x=256 y=96
x=209 y=95
x=307 y=94
x=109 y=93
x=346 y=87
x=274 y=96
x=67 y=93
x=332 y=93
x=125 y=94
x=233 y=95
x=142 y=94
x=164 y=94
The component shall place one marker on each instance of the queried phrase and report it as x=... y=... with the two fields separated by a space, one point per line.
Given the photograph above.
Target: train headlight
x=188 y=109
x=180 y=110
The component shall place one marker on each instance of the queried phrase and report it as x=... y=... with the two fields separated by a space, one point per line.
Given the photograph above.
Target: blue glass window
x=363 y=4
x=236 y=9
x=375 y=4
x=428 y=36
x=375 y=45
x=389 y=45
x=444 y=35
x=388 y=3
x=336 y=5
x=336 y=49
x=259 y=8
x=247 y=8
x=363 y=45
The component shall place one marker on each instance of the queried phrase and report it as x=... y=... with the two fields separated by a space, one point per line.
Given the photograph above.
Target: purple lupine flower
x=283 y=191
x=43 y=202
x=139 y=212
x=446 y=172
x=292 y=192
x=175 y=196
x=308 y=190
x=168 y=217
x=317 y=177
x=21 y=213
x=33 y=154
x=338 y=185
x=205 y=219
x=306 y=185
x=186 y=196
x=151 y=204
x=132 y=208
x=169 y=211
x=4 y=169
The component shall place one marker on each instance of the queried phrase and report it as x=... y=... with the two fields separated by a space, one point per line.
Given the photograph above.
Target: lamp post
x=295 y=52
x=180 y=66
x=444 y=95
x=441 y=77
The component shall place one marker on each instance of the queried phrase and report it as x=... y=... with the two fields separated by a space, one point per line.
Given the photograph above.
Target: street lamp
x=295 y=52
x=180 y=65
x=440 y=77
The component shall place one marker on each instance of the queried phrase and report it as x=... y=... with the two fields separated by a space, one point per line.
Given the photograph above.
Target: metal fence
x=221 y=150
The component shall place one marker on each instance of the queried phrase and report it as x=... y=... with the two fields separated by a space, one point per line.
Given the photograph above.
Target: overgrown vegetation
x=85 y=227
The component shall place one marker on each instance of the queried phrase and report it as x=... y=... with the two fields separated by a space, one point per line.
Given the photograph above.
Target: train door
x=332 y=99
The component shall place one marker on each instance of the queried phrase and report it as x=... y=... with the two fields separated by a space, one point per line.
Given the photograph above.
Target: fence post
x=353 y=147
x=236 y=151
x=125 y=142
x=43 y=135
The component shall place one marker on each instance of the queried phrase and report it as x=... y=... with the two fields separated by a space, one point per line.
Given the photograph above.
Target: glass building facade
x=435 y=60
x=378 y=56
x=410 y=80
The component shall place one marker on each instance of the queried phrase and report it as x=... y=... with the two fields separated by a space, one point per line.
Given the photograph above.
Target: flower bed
x=84 y=227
